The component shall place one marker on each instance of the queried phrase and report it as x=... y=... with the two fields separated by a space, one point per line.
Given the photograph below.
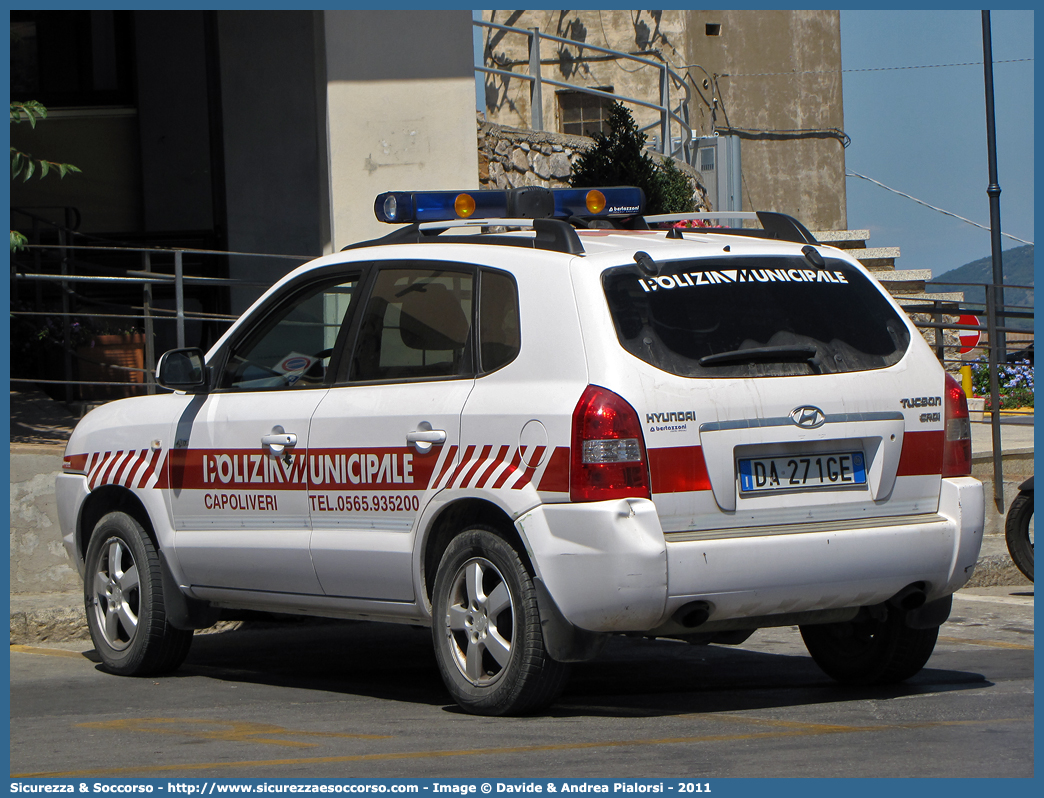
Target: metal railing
x=97 y=293
x=669 y=81
x=942 y=315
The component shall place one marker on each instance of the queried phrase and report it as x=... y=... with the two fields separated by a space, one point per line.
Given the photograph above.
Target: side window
x=499 y=336
x=417 y=325
x=291 y=347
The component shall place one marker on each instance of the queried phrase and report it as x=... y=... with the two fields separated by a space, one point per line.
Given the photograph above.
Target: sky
x=923 y=131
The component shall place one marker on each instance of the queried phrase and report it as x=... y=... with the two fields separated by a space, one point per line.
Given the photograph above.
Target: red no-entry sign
x=969 y=338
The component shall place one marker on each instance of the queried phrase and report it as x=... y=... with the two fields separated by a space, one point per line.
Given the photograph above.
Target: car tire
x=124 y=602
x=871 y=651
x=486 y=629
x=1017 y=533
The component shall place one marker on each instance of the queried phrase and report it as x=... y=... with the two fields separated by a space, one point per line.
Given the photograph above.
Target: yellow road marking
x=235 y=731
x=993 y=643
x=48 y=652
x=802 y=730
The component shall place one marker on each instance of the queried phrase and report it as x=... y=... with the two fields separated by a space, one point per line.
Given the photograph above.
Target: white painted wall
x=400 y=110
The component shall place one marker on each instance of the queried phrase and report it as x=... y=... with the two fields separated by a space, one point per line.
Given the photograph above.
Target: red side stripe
x=922 y=453
x=556 y=475
x=74 y=462
x=678 y=469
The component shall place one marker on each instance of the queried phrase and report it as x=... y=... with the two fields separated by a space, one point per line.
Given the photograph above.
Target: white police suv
x=532 y=439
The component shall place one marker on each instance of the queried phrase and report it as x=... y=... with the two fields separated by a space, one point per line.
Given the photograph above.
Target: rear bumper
x=610 y=568
x=819 y=569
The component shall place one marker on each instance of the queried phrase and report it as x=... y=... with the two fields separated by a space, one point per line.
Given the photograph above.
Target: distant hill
x=1018 y=270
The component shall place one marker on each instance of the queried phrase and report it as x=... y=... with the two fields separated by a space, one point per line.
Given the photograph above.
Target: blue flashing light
x=398 y=207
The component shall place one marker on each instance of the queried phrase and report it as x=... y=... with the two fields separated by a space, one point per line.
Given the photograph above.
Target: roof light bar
x=529 y=202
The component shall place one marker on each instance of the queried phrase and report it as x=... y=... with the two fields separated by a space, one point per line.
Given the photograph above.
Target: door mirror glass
x=182 y=370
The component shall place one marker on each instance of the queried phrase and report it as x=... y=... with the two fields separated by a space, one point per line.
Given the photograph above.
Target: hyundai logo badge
x=808 y=417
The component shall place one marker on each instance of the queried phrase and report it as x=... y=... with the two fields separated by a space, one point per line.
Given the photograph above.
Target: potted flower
x=110 y=351
x=1014 y=382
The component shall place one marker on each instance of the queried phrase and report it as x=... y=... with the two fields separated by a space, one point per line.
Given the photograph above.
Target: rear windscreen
x=754 y=317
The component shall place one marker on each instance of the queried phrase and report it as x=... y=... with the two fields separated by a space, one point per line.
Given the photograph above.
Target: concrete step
x=876 y=258
x=843 y=239
x=924 y=298
x=904 y=281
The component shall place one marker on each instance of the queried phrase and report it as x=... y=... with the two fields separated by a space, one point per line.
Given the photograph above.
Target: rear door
x=391 y=426
x=771 y=393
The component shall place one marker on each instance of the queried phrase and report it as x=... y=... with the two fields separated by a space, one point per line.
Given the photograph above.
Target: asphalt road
x=365 y=700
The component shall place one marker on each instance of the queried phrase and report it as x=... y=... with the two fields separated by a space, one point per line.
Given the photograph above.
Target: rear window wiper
x=771 y=354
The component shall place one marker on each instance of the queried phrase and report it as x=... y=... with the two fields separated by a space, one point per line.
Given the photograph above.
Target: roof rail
x=777 y=226
x=786 y=228
x=558 y=235
x=555 y=235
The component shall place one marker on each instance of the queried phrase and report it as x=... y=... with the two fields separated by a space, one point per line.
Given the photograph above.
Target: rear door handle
x=424 y=437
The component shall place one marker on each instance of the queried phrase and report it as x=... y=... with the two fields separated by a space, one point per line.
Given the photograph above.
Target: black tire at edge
x=892 y=654
x=1016 y=533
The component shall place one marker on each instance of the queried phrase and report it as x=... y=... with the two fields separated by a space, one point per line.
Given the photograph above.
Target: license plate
x=802 y=472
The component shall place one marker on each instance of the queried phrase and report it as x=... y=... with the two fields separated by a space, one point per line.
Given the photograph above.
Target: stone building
x=773 y=78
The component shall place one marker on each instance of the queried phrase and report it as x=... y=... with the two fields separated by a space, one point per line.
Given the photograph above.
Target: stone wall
x=39 y=562
x=509 y=158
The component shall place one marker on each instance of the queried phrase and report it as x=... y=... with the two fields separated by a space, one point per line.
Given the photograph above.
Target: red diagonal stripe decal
x=130 y=464
x=468 y=452
x=526 y=477
x=150 y=465
x=446 y=464
x=103 y=464
x=106 y=475
x=464 y=483
x=97 y=461
x=480 y=482
x=509 y=470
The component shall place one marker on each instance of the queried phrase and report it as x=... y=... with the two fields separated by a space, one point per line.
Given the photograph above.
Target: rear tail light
x=608 y=450
x=957 y=451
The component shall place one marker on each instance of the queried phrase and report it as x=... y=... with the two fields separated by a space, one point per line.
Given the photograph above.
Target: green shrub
x=619 y=159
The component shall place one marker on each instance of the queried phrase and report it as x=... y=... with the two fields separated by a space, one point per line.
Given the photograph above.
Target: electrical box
x=718 y=162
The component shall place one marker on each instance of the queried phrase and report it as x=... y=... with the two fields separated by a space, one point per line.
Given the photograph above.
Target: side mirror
x=182 y=370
